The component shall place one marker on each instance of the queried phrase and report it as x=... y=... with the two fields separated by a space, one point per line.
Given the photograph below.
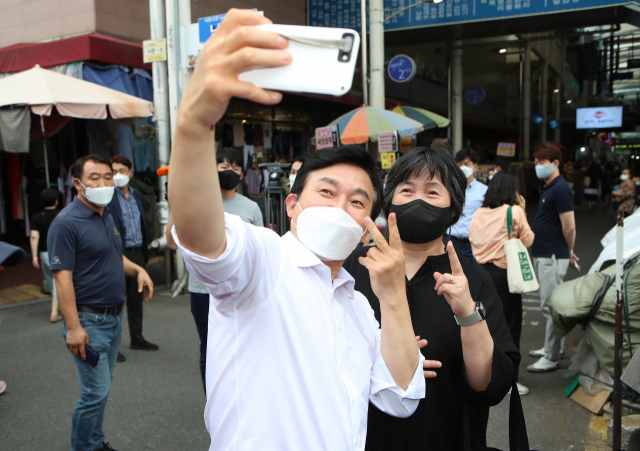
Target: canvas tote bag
x=520 y=273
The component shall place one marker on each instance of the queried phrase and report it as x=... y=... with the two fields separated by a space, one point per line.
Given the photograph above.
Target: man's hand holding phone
x=232 y=49
x=77 y=337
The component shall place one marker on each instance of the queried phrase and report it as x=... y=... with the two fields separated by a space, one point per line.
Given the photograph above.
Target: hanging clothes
x=254 y=181
x=98 y=132
x=15 y=126
x=142 y=84
x=14 y=177
x=248 y=133
x=227 y=135
x=69 y=181
x=141 y=154
x=267 y=132
x=248 y=155
x=152 y=145
x=238 y=134
x=258 y=135
x=125 y=138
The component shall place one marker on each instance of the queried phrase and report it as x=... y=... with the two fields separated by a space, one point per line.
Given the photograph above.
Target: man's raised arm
x=195 y=198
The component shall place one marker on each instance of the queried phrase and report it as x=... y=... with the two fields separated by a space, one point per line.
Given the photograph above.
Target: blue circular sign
x=538 y=118
x=475 y=95
x=553 y=124
x=401 y=69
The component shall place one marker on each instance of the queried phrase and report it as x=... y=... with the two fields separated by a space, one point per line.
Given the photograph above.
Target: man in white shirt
x=295 y=354
x=474 y=197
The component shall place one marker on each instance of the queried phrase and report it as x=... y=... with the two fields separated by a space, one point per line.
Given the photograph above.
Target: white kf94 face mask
x=99 y=196
x=328 y=232
x=121 y=180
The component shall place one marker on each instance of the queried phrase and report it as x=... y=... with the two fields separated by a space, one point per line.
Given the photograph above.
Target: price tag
x=154 y=50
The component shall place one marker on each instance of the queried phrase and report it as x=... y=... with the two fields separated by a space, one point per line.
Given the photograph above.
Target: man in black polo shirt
x=552 y=249
x=85 y=252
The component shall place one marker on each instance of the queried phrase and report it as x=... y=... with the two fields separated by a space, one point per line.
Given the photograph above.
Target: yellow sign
x=154 y=50
x=388 y=159
x=506 y=149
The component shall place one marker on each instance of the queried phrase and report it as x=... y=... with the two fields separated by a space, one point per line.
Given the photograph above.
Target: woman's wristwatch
x=475 y=317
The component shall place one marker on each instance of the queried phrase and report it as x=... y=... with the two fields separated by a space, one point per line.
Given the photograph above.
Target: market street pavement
x=157 y=400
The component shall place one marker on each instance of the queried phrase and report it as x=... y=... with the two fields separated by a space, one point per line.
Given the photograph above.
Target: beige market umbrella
x=41 y=89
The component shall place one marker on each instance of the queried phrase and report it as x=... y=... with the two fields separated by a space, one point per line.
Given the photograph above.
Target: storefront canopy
x=92 y=46
x=41 y=89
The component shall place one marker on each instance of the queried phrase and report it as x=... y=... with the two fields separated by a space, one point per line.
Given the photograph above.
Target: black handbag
x=518 y=438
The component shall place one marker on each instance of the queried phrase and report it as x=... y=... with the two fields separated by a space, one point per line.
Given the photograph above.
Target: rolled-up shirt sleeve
x=246 y=270
x=385 y=394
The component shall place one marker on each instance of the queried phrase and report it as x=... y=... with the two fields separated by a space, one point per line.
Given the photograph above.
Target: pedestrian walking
x=469 y=346
x=625 y=195
x=128 y=215
x=89 y=268
x=474 y=196
x=552 y=250
x=40 y=224
x=579 y=176
x=595 y=175
x=284 y=305
x=230 y=173
x=488 y=233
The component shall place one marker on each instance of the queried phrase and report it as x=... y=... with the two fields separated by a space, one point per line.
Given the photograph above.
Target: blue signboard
x=538 y=118
x=553 y=124
x=207 y=25
x=475 y=95
x=401 y=68
x=346 y=13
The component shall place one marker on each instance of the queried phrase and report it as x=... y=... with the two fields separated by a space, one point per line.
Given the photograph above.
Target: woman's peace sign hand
x=455 y=286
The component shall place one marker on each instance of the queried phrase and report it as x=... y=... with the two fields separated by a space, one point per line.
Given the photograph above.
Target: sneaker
x=121 y=357
x=106 y=447
x=542 y=366
x=537 y=352
x=522 y=390
x=3 y=387
x=144 y=345
x=540 y=353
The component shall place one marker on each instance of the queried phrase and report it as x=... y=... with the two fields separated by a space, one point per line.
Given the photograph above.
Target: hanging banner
x=387 y=159
x=388 y=142
x=327 y=137
x=506 y=149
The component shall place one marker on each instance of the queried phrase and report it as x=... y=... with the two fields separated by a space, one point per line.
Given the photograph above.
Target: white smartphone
x=324 y=60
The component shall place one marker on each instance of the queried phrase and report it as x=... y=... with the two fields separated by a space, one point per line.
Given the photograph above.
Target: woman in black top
x=474 y=364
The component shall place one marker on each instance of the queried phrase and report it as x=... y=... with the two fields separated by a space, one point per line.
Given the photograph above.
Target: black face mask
x=228 y=179
x=420 y=222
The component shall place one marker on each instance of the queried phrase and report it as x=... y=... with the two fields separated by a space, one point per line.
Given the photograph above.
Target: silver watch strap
x=475 y=317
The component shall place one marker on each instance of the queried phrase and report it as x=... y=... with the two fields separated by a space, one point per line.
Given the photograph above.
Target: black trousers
x=134 y=299
x=511 y=304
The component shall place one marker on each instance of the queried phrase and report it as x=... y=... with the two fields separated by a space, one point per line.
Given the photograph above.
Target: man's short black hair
x=504 y=164
x=467 y=153
x=49 y=197
x=299 y=159
x=502 y=190
x=78 y=167
x=352 y=154
x=231 y=155
x=437 y=160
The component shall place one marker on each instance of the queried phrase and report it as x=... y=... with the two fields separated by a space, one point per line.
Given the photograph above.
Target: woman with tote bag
x=489 y=232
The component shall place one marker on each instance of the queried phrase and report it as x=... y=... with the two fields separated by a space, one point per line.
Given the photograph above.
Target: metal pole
x=526 y=119
x=617 y=356
x=376 y=19
x=544 y=94
x=363 y=34
x=173 y=59
x=560 y=98
x=449 y=110
x=456 y=95
x=161 y=107
x=44 y=148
